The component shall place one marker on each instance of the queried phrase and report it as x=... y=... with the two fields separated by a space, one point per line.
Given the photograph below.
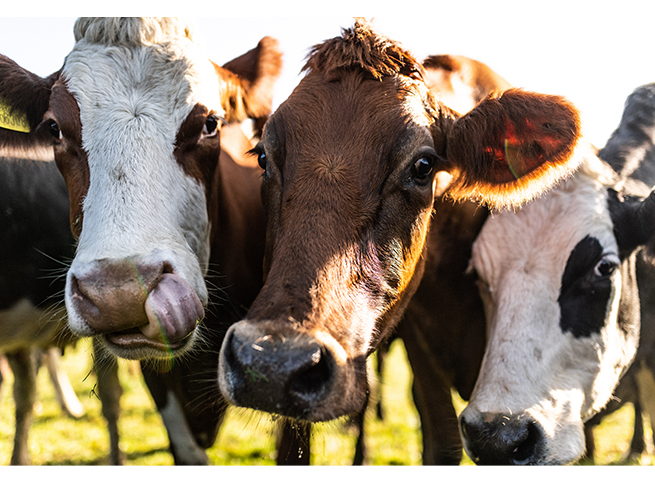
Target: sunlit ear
x=512 y=147
x=247 y=81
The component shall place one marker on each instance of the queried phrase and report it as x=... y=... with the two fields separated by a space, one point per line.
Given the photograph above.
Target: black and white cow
x=561 y=281
x=35 y=246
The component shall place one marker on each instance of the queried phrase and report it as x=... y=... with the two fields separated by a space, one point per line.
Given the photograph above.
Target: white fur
x=530 y=365
x=183 y=444
x=133 y=97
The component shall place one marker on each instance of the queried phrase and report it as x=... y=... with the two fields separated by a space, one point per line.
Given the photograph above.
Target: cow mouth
x=132 y=344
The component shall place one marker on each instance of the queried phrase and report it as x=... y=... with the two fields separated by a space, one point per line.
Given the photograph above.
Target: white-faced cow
x=160 y=209
x=349 y=161
x=561 y=281
x=36 y=243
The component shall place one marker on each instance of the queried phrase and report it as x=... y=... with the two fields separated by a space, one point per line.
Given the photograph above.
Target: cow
x=349 y=165
x=36 y=245
x=169 y=224
x=565 y=285
x=460 y=82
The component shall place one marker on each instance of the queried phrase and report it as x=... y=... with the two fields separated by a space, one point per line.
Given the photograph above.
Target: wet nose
x=118 y=295
x=502 y=439
x=281 y=374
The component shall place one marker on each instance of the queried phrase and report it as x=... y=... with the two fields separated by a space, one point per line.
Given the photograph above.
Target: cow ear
x=633 y=220
x=512 y=147
x=24 y=98
x=248 y=81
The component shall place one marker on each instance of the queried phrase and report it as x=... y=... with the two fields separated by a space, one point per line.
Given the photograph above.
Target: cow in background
x=36 y=246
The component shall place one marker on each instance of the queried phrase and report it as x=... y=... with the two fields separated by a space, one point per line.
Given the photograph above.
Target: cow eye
x=422 y=168
x=262 y=160
x=211 y=126
x=605 y=268
x=54 y=130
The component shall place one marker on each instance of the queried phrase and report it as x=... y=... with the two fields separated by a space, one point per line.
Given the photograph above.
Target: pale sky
x=595 y=53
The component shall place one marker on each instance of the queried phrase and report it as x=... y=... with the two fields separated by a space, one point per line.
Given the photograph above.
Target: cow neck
x=238 y=226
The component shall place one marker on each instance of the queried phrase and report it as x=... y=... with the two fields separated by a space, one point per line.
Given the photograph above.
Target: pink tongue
x=173 y=309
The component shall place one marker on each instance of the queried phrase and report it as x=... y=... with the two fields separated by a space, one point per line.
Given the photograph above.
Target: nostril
x=311 y=380
x=524 y=452
x=86 y=307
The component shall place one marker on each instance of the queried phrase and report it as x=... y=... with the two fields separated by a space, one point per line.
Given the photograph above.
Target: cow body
x=350 y=163
x=36 y=246
x=164 y=200
x=565 y=283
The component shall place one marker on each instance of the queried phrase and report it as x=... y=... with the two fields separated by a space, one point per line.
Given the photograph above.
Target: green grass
x=246 y=437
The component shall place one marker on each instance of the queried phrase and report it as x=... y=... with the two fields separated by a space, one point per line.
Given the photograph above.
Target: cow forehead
x=160 y=83
x=540 y=237
x=360 y=123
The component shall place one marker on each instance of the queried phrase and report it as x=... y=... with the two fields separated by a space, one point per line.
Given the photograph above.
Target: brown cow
x=161 y=208
x=349 y=177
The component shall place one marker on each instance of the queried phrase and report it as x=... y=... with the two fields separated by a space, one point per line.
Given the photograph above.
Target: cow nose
x=280 y=374
x=501 y=439
x=117 y=295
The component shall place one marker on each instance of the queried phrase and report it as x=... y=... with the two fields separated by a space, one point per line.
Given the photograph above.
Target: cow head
x=558 y=282
x=349 y=163
x=135 y=115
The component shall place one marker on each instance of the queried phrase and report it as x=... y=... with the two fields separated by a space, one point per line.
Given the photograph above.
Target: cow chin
x=282 y=370
x=138 y=347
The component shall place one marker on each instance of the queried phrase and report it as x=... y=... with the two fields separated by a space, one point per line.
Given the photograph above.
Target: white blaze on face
x=532 y=364
x=132 y=102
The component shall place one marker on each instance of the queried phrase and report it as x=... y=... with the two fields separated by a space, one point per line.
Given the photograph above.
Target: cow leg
x=442 y=444
x=23 y=365
x=110 y=392
x=590 y=442
x=646 y=384
x=382 y=354
x=183 y=445
x=360 y=445
x=638 y=443
x=63 y=389
x=293 y=442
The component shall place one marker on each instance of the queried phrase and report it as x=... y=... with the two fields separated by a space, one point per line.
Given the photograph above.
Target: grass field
x=246 y=438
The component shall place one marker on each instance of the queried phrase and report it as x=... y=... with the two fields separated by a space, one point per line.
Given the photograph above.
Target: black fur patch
x=584 y=296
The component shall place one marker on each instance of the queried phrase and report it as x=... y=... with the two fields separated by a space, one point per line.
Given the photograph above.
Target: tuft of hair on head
x=138 y=31
x=363 y=47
